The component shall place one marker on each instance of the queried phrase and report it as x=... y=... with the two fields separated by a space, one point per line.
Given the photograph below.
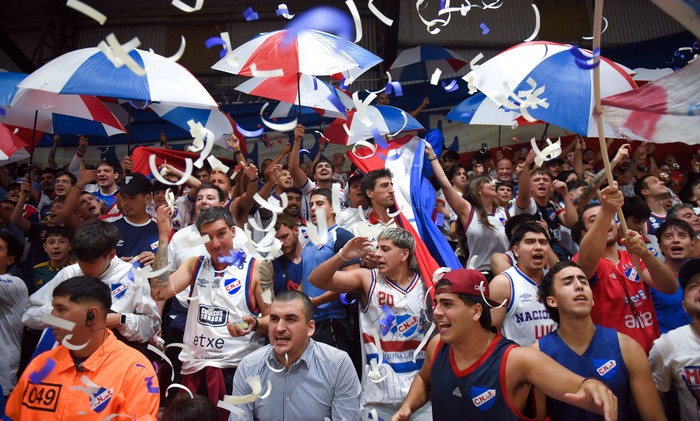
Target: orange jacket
x=115 y=379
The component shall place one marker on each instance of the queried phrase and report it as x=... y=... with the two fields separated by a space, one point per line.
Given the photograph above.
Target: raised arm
x=421 y=107
x=16 y=217
x=570 y=215
x=594 y=242
x=192 y=182
x=328 y=275
x=460 y=206
x=298 y=176
x=67 y=214
x=657 y=274
x=169 y=283
x=522 y=200
x=75 y=163
x=241 y=205
x=52 y=152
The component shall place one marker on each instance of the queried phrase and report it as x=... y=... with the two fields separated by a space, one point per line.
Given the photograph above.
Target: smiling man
x=310 y=380
x=107 y=175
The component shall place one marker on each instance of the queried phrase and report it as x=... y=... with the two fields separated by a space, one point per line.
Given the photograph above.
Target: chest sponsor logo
x=605 y=368
x=41 y=396
x=118 y=290
x=232 y=285
x=212 y=316
x=483 y=398
x=529 y=316
x=202 y=282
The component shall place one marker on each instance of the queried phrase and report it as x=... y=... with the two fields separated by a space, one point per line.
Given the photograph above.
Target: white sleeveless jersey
x=406 y=333
x=218 y=298
x=527 y=319
x=482 y=241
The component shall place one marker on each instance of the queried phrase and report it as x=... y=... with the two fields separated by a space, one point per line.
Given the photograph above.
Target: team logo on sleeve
x=118 y=290
x=605 y=368
x=232 y=285
x=483 y=398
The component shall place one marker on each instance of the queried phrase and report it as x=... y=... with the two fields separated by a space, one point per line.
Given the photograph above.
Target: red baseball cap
x=466 y=281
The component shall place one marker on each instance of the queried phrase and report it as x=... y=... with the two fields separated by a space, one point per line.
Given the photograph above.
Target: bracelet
x=257 y=323
x=432 y=158
x=340 y=253
x=237 y=152
x=589 y=378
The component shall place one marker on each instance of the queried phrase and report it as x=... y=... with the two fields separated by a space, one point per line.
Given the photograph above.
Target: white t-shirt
x=13 y=299
x=675 y=360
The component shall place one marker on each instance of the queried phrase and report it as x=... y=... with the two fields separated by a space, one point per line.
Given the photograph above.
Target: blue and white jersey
x=526 y=318
x=135 y=238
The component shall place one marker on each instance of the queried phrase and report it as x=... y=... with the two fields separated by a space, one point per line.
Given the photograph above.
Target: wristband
x=253 y=180
x=257 y=323
x=432 y=158
x=340 y=253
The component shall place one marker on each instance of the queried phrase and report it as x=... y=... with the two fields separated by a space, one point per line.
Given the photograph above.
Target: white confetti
x=605 y=28
x=119 y=51
x=356 y=18
x=186 y=7
x=170 y=199
x=180 y=51
x=372 y=8
x=361 y=107
x=373 y=373
x=189 y=242
x=366 y=144
x=285 y=14
x=422 y=343
x=269 y=206
x=148 y=272
x=87 y=10
x=435 y=78
x=159 y=177
x=255 y=385
x=268 y=391
x=182 y=346
x=537 y=24
x=65 y=342
x=284 y=127
x=267 y=295
x=278 y=370
x=551 y=151
x=234 y=410
x=203 y=141
x=179 y=386
x=318 y=234
x=165 y=358
x=215 y=163
x=58 y=322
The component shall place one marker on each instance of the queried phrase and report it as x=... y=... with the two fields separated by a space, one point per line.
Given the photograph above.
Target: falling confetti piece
x=40 y=374
x=87 y=10
x=250 y=14
x=187 y=8
x=283 y=10
x=484 y=29
x=537 y=24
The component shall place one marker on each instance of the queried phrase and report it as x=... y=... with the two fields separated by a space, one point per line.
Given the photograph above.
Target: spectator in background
x=287 y=268
x=13 y=299
x=57 y=246
x=448 y=158
x=63 y=183
x=196 y=408
x=654 y=193
x=504 y=170
x=637 y=214
x=107 y=175
x=378 y=187
x=47 y=178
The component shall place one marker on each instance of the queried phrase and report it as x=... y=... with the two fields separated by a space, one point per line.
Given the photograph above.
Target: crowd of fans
x=348 y=318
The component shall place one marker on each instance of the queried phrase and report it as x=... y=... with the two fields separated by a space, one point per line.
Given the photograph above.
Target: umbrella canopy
x=89 y=71
x=10 y=145
x=310 y=52
x=419 y=63
x=213 y=119
x=310 y=92
x=386 y=119
x=662 y=111
x=568 y=85
x=53 y=113
x=480 y=109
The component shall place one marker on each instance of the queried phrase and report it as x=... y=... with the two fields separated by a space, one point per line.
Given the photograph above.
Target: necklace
x=487 y=343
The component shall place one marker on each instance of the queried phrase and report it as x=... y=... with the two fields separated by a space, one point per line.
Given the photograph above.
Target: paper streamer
x=470 y=264
x=386 y=322
x=394 y=87
x=37 y=376
x=435 y=77
x=118 y=51
x=265 y=73
x=255 y=385
x=405 y=123
x=356 y=19
x=372 y=8
x=148 y=272
x=249 y=133
x=453 y=86
x=250 y=15
x=284 y=127
x=179 y=386
x=422 y=343
x=268 y=391
x=87 y=11
x=605 y=28
x=278 y=370
x=269 y=206
x=551 y=151
x=58 y=322
x=283 y=10
x=361 y=107
x=234 y=410
x=394 y=214
x=187 y=8
x=127 y=47
x=523 y=100
x=373 y=373
x=344 y=299
x=484 y=29
x=318 y=234
x=214 y=41
x=70 y=346
x=203 y=141
x=162 y=355
x=180 y=51
x=170 y=199
x=215 y=163
x=335 y=196
x=182 y=346
x=159 y=177
x=366 y=144
x=537 y=24
x=495 y=5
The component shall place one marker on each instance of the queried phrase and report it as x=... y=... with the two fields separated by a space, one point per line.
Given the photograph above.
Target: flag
x=664 y=111
x=173 y=157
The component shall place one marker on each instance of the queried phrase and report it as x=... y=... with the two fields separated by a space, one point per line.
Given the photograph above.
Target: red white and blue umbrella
x=419 y=63
x=12 y=147
x=89 y=71
x=310 y=92
x=480 y=109
x=387 y=120
x=212 y=119
x=53 y=113
x=309 y=52
x=564 y=74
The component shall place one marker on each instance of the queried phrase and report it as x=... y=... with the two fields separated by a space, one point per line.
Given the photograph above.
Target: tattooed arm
x=168 y=283
x=263 y=282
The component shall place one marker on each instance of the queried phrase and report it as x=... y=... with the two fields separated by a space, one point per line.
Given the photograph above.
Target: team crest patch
x=631 y=274
x=99 y=396
x=483 y=398
x=232 y=285
x=406 y=325
x=605 y=368
x=118 y=290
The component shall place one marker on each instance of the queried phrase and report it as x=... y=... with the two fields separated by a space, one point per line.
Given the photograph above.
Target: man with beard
x=293 y=212
x=310 y=380
x=47 y=179
x=378 y=187
x=676 y=240
x=521 y=318
x=621 y=293
x=287 y=268
x=322 y=173
x=675 y=357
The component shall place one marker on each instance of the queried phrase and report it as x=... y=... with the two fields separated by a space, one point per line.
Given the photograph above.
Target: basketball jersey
x=617 y=288
x=406 y=333
x=654 y=222
x=136 y=238
x=475 y=393
x=602 y=360
x=217 y=299
x=482 y=241
x=526 y=319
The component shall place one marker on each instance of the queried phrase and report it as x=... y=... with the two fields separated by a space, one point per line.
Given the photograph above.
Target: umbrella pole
x=299 y=94
x=544 y=133
x=598 y=113
x=31 y=154
x=128 y=140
